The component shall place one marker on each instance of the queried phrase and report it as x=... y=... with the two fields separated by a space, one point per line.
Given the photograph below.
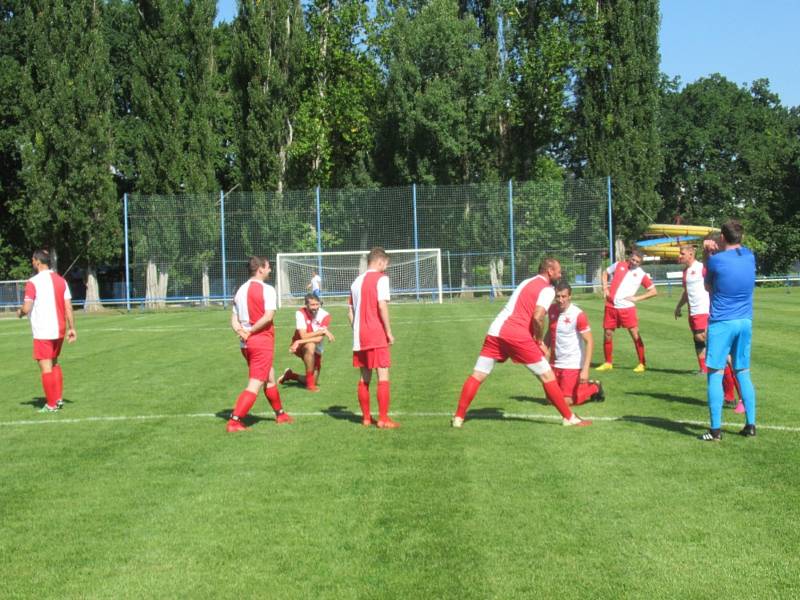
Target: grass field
x=135 y=490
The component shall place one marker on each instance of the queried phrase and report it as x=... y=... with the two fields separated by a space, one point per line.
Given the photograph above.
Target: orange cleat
x=387 y=423
x=313 y=389
x=366 y=422
x=234 y=426
x=284 y=418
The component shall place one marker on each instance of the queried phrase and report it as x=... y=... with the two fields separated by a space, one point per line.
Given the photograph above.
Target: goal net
x=413 y=274
x=11 y=294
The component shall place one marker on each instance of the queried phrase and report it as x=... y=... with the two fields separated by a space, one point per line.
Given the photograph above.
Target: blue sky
x=741 y=39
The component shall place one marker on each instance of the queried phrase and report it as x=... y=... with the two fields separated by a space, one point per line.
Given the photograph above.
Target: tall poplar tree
x=70 y=201
x=268 y=45
x=618 y=106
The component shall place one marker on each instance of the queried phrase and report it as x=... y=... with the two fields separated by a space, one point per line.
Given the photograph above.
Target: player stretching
x=570 y=341
x=252 y=319
x=730 y=279
x=620 y=309
x=517 y=333
x=372 y=335
x=696 y=296
x=49 y=303
x=312 y=322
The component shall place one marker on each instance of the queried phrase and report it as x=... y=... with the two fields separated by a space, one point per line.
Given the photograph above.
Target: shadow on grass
x=541 y=401
x=342 y=413
x=40 y=401
x=669 y=397
x=673 y=371
x=665 y=424
x=249 y=420
x=496 y=414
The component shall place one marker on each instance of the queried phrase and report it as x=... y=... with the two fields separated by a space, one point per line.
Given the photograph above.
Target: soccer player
x=730 y=279
x=252 y=317
x=49 y=303
x=368 y=312
x=517 y=333
x=620 y=309
x=312 y=322
x=696 y=296
x=569 y=339
x=315 y=285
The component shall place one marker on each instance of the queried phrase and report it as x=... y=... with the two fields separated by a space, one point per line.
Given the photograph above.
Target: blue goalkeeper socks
x=715 y=398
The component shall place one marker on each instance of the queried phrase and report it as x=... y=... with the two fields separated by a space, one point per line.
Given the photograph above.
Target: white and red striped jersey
x=625 y=282
x=566 y=341
x=252 y=300
x=367 y=290
x=694 y=283
x=515 y=321
x=308 y=323
x=48 y=291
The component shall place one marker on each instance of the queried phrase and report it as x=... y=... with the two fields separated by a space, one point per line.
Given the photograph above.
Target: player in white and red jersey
x=49 y=303
x=254 y=307
x=372 y=335
x=570 y=342
x=517 y=333
x=620 y=310
x=311 y=330
x=696 y=296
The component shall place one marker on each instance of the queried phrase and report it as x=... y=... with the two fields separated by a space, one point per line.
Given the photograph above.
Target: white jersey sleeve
x=383 y=289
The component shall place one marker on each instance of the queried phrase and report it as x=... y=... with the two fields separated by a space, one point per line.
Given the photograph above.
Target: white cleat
x=457 y=422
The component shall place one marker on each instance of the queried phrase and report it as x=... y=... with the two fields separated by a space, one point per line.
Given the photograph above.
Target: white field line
x=58 y=420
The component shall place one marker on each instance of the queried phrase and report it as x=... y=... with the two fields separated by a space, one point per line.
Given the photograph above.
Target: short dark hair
x=256 y=262
x=563 y=284
x=635 y=252
x=548 y=262
x=42 y=255
x=690 y=247
x=377 y=253
x=732 y=231
x=311 y=296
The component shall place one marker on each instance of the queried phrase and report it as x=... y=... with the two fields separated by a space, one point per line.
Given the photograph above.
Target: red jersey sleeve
x=326 y=321
x=583 y=323
x=647 y=282
x=30 y=291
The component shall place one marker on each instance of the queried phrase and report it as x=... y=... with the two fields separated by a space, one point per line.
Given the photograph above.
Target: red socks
x=608 y=350
x=310 y=382
x=468 y=392
x=274 y=398
x=244 y=403
x=556 y=397
x=363 y=400
x=701 y=360
x=639 y=349
x=290 y=376
x=59 y=378
x=729 y=384
x=383 y=400
x=585 y=391
x=50 y=387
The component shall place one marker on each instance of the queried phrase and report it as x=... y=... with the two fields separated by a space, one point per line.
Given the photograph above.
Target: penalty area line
x=500 y=416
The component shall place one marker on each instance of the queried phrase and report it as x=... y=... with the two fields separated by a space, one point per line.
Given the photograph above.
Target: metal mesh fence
x=194 y=247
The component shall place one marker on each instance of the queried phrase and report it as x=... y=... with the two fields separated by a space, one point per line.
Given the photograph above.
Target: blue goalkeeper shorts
x=729 y=337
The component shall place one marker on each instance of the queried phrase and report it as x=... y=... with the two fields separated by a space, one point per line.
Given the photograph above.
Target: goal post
x=414 y=274
x=12 y=293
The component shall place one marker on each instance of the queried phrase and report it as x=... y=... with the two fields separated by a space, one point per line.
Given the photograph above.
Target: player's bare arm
x=263 y=322
x=604 y=283
x=587 y=355
x=25 y=309
x=69 y=317
x=649 y=293
x=236 y=325
x=383 y=310
x=350 y=314
x=683 y=300
x=537 y=324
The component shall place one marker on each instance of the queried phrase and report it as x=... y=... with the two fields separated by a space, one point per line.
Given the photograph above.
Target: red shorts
x=568 y=380
x=524 y=351
x=620 y=317
x=698 y=322
x=47 y=349
x=374 y=358
x=317 y=356
x=259 y=362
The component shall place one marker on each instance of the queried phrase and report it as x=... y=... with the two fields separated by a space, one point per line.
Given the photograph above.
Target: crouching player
x=311 y=329
x=252 y=319
x=517 y=333
x=569 y=339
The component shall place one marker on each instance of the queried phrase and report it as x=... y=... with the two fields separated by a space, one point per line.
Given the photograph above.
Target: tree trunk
x=496 y=276
x=163 y=279
x=92 y=301
x=151 y=285
x=466 y=277
x=206 y=286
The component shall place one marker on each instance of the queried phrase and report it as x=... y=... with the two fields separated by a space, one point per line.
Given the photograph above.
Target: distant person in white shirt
x=49 y=304
x=315 y=285
x=620 y=311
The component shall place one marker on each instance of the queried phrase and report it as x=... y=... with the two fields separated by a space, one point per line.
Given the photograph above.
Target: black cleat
x=748 y=431
x=599 y=395
x=712 y=435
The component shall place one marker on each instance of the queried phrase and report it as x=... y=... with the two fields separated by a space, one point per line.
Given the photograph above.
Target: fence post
x=127 y=260
x=222 y=235
x=511 y=232
x=416 y=236
x=610 y=224
x=319 y=236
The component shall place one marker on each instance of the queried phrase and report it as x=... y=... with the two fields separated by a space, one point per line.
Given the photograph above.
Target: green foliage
x=617 y=128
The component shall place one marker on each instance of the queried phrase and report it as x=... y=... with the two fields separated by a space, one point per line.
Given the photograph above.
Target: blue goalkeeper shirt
x=731 y=277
